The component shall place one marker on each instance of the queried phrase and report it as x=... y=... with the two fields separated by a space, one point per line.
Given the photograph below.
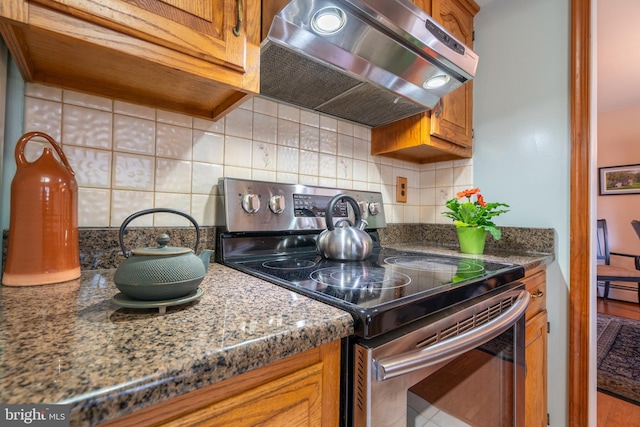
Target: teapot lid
x=162 y=249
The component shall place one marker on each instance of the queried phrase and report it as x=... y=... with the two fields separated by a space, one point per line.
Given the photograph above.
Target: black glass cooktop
x=389 y=289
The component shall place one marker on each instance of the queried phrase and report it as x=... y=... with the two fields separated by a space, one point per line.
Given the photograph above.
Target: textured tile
x=134 y=110
x=87 y=127
x=134 y=135
x=265 y=128
x=264 y=156
x=125 y=203
x=327 y=166
x=93 y=207
x=309 y=163
x=43 y=116
x=288 y=133
x=173 y=176
x=92 y=167
x=328 y=142
x=133 y=172
x=42 y=91
x=86 y=100
x=288 y=158
x=205 y=178
x=239 y=123
x=175 y=142
x=237 y=152
x=179 y=202
x=172 y=118
x=208 y=147
x=265 y=106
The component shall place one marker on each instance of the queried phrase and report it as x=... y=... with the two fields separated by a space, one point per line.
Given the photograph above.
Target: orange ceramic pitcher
x=43 y=224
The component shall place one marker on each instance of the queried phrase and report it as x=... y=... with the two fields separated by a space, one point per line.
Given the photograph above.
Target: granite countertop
x=528 y=260
x=68 y=343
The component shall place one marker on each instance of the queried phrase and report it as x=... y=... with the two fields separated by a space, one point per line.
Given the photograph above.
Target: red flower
x=467 y=193
x=481 y=201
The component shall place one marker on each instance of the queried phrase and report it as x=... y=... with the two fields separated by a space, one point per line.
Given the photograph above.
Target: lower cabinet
x=300 y=390
x=536 y=350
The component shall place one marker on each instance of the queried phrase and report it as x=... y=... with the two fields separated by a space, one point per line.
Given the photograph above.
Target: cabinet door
x=451 y=120
x=536 y=374
x=200 y=28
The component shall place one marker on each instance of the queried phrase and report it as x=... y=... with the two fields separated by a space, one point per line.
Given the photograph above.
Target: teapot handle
x=155 y=210
x=328 y=215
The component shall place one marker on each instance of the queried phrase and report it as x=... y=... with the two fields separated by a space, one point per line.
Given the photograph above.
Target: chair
x=608 y=273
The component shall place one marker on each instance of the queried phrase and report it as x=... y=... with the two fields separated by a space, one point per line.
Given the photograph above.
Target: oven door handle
x=393 y=366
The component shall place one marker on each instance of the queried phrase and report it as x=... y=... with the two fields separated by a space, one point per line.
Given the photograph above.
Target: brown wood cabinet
x=199 y=57
x=300 y=390
x=446 y=132
x=536 y=349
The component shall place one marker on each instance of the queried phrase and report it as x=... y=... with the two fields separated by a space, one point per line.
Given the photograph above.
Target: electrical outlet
x=402 y=186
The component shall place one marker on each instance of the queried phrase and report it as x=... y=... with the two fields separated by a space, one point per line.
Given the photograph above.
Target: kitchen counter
x=68 y=343
x=529 y=260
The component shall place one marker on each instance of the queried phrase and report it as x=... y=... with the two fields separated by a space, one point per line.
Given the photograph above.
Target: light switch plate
x=402 y=186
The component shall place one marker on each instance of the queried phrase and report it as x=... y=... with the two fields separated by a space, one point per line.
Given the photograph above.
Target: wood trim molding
x=580 y=217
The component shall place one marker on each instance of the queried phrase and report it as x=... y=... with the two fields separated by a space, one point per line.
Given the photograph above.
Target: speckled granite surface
x=68 y=343
x=513 y=240
x=100 y=247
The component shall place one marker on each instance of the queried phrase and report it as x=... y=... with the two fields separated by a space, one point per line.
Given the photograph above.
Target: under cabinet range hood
x=368 y=61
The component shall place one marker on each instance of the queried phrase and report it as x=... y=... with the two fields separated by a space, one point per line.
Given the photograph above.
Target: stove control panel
x=257 y=206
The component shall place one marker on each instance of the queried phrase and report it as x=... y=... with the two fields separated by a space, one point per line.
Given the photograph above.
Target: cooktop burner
x=271 y=230
x=386 y=290
x=355 y=277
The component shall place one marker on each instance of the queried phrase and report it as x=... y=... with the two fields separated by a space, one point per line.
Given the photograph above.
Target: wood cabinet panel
x=300 y=390
x=536 y=330
x=536 y=372
x=446 y=132
x=178 y=55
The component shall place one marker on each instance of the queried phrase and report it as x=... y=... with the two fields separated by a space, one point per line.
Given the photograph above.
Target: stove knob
x=374 y=208
x=364 y=208
x=251 y=203
x=276 y=204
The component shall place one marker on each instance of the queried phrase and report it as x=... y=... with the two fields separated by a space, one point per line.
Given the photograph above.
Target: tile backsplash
x=129 y=157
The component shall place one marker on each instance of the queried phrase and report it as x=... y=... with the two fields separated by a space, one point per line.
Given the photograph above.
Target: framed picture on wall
x=619 y=180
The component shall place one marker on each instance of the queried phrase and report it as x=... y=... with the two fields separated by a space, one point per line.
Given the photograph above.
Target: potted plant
x=473 y=219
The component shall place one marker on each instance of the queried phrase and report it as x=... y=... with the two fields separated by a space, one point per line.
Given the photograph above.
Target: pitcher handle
x=22 y=160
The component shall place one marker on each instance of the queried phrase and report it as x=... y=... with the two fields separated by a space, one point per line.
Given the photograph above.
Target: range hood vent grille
x=289 y=77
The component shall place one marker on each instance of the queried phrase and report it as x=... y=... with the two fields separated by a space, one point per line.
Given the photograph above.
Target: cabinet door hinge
x=548 y=327
x=473 y=35
x=548 y=420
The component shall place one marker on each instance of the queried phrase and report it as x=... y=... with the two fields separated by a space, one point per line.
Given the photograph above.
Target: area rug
x=619 y=357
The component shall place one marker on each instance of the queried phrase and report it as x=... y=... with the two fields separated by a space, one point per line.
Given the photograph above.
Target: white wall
x=522 y=143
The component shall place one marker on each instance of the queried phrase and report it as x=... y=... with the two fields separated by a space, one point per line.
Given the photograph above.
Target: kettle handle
x=328 y=215
x=22 y=160
x=156 y=210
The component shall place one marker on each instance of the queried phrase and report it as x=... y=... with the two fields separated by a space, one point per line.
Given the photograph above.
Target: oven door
x=465 y=368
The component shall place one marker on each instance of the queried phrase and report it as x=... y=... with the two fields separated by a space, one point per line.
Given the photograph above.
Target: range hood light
x=328 y=20
x=436 y=82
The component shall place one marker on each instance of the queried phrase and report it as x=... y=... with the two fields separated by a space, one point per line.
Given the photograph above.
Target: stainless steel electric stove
x=420 y=319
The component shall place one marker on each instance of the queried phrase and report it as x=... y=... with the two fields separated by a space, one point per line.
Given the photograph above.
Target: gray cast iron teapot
x=164 y=272
x=344 y=243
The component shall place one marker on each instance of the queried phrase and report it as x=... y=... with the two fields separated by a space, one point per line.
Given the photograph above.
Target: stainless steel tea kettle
x=344 y=243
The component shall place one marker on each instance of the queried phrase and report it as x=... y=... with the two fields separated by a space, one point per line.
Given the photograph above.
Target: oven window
x=474 y=389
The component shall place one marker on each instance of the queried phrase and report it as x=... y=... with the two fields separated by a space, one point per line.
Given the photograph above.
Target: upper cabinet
x=198 y=57
x=444 y=133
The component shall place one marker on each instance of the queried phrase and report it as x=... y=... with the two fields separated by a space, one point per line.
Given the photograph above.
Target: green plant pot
x=471 y=240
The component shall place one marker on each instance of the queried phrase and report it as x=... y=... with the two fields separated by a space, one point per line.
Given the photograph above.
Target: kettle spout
x=205 y=257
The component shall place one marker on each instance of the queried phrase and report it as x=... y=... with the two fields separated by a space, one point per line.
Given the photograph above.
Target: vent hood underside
x=371 y=71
